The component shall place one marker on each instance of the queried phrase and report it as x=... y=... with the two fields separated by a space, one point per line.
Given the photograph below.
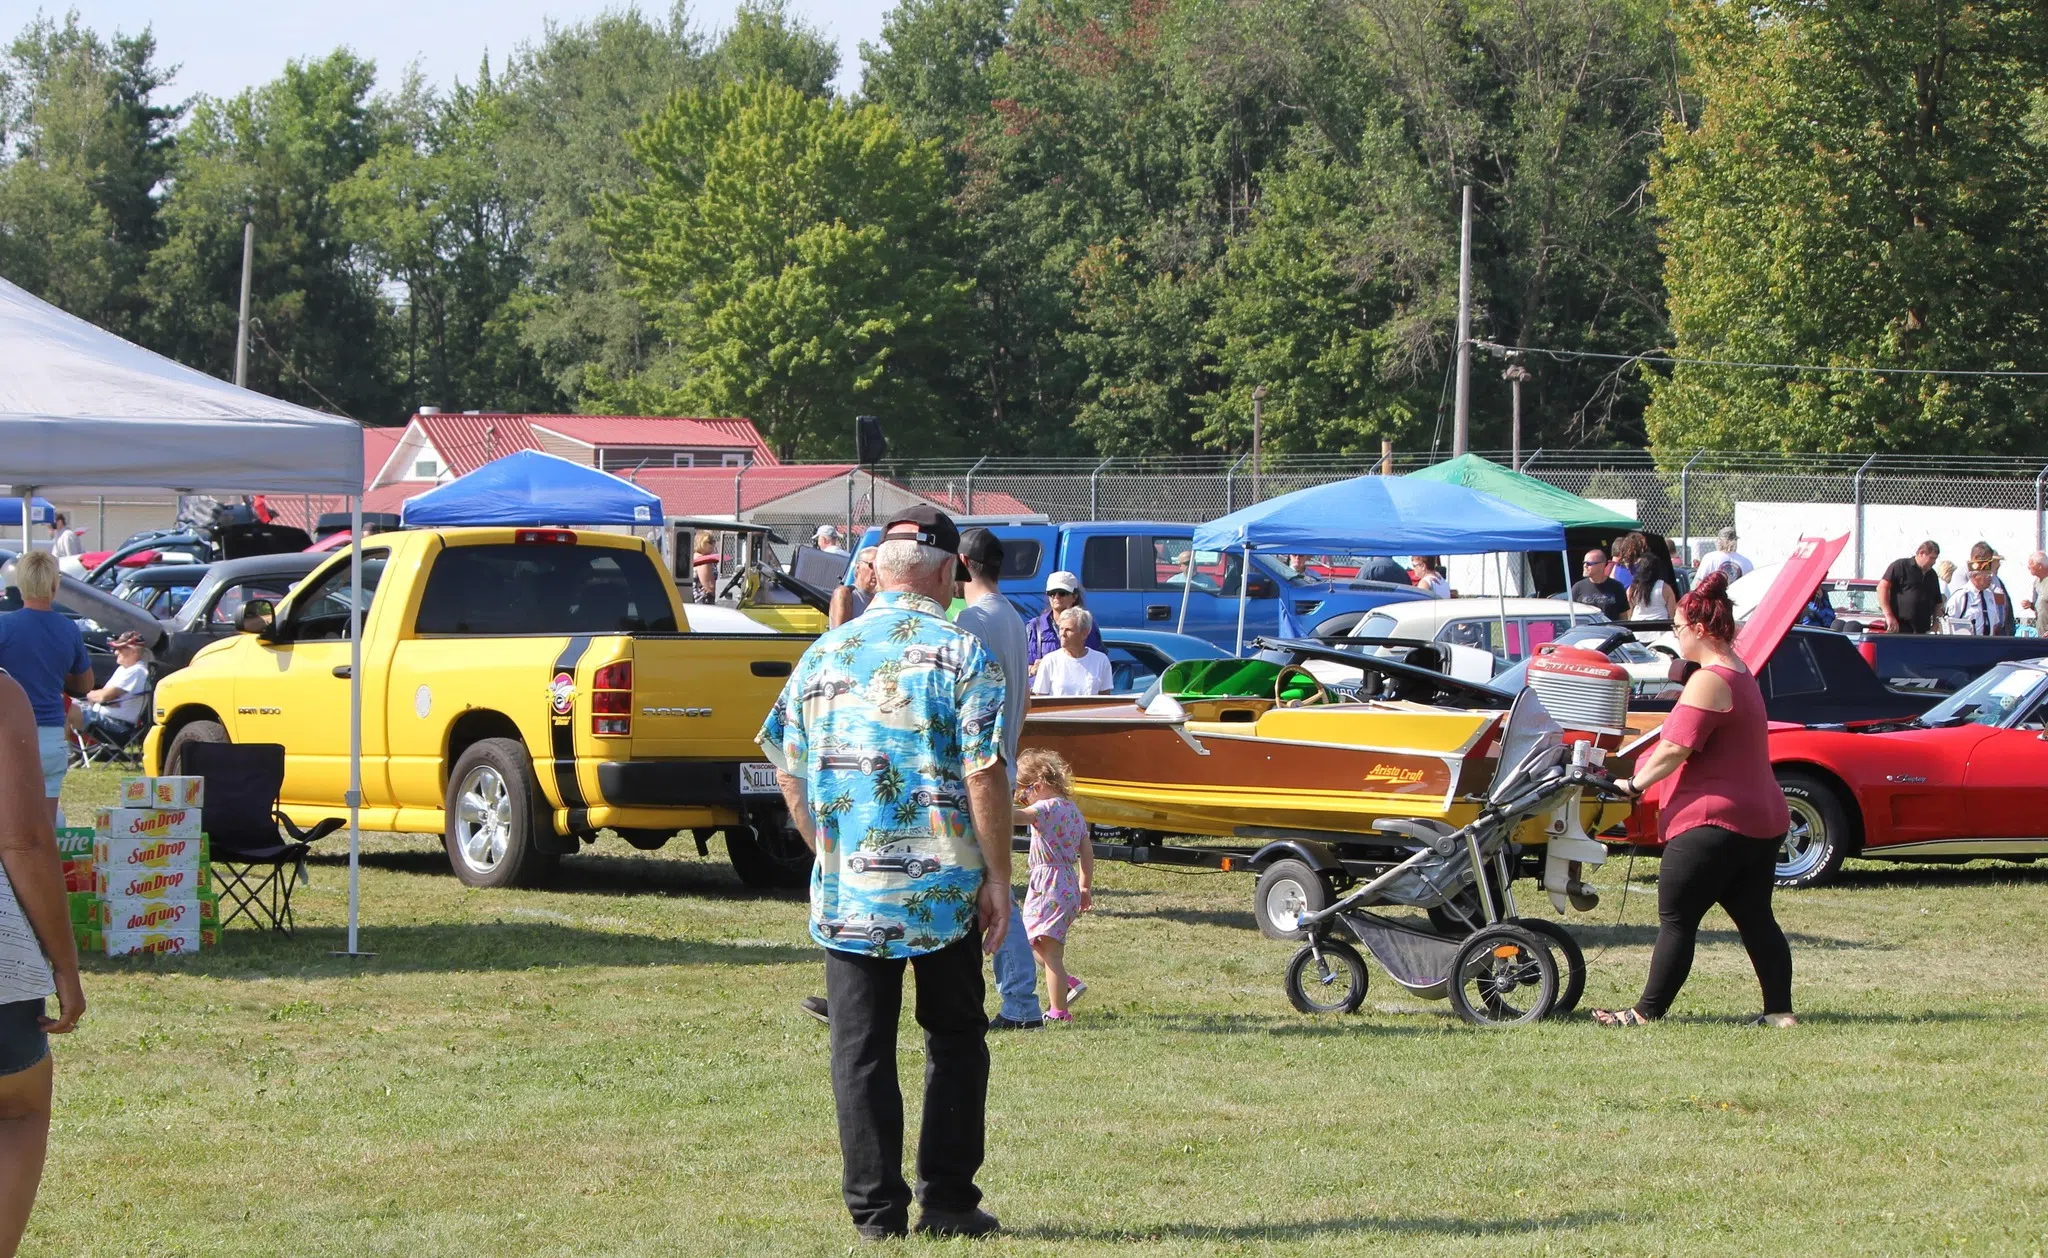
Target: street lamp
x=1514 y=375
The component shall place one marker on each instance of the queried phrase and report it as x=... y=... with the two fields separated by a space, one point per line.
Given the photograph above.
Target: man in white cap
x=1042 y=635
x=827 y=539
x=1723 y=558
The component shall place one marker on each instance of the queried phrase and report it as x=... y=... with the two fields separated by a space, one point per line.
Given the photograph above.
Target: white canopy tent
x=80 y=407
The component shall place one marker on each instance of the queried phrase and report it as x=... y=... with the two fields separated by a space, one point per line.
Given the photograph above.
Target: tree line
x=1059 y=227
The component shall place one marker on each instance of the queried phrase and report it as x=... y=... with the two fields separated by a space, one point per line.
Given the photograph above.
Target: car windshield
x=1374 y=626
x=1990 y=699
x=1282 y=571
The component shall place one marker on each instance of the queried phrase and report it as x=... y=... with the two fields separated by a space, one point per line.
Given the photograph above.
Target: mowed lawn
x=618 y=1066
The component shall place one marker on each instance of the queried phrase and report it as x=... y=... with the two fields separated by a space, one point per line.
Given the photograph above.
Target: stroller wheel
x=1572 y=972
x=1336 y=985
x=1503 y=976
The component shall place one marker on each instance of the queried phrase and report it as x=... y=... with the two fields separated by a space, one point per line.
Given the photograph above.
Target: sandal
x=1052 y=1016
x=1620 y=1017
x=1777 y=1021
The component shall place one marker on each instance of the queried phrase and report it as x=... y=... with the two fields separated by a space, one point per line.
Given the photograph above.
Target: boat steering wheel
x=1321 y=697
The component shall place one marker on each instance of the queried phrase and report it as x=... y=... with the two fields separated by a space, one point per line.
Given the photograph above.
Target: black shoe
x=815 y=1006
x=1000 y=1023
x=878 y=1235
x=967 y=1223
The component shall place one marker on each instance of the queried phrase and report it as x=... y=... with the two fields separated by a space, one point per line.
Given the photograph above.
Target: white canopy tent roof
x=81 y=407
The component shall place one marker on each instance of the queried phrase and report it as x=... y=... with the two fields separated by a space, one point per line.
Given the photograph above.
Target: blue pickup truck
x=1134 y=572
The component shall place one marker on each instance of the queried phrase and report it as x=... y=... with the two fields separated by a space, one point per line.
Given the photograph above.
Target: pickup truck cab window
x=227 y=609
x=529 y=588
x=321 y=614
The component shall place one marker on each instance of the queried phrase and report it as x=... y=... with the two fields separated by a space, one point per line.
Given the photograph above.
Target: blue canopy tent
x=530 y=489
x=1377 y=515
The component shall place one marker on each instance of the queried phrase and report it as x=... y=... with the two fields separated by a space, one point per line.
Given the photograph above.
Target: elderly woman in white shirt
x=1074 y=669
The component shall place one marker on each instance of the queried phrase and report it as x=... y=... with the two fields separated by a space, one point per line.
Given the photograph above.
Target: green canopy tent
x=1586 y=523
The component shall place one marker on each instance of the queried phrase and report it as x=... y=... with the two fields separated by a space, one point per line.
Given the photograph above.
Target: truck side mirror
x=1262 y=587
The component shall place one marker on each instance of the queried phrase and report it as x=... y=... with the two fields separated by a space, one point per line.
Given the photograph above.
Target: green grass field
x=618 y=1066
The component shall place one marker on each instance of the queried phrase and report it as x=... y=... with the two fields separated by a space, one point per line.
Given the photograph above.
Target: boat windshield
x=1990 y=699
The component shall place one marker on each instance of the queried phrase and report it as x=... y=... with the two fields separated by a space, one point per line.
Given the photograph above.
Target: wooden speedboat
x=1253 y=767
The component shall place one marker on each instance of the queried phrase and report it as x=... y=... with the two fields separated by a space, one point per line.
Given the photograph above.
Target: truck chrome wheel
x=1806 y=843
x=483 y=819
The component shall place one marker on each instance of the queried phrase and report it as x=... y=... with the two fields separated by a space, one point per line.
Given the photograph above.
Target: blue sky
x=226 y=45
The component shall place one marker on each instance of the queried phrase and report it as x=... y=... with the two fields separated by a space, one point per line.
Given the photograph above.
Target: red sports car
x=1967 y=780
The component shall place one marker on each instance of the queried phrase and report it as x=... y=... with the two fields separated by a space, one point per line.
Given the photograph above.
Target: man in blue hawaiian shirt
x=888 y=742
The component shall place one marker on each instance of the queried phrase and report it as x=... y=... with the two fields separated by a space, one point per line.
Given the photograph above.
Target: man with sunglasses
x=1596 y=586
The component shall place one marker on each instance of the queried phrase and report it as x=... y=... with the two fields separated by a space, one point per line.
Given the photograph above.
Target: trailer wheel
x=1503 y=976
x=1335 y=985
x=1286 y=889
x=1573 y=971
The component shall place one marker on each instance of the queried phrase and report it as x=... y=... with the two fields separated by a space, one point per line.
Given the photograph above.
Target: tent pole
x=1244 y=590
x=1571 y=605
x=1500 y=579
x=1187 y=582
x=28 y=499
x=355 y=713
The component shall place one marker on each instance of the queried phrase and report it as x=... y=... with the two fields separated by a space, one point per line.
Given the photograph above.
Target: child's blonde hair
x=1035 y=765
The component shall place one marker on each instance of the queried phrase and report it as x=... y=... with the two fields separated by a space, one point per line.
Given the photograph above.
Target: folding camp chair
x=255 y=865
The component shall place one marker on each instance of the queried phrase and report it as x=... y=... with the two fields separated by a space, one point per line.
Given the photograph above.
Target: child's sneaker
x=1056 y=1016
x=1075 y=989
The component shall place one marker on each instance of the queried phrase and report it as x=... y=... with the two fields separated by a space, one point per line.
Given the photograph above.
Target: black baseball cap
x=934 y=528
x=979 y=546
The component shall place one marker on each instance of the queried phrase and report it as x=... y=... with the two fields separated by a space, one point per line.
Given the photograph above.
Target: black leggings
x=1703 y=867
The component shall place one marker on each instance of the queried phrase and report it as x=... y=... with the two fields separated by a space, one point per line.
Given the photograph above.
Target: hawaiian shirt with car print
x=885 y=718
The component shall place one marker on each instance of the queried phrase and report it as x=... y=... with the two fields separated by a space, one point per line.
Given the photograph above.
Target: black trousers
x=866 y=998
x=1700 y=868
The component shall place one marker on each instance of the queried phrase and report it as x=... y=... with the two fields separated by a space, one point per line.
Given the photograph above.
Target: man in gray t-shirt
x=991 y=619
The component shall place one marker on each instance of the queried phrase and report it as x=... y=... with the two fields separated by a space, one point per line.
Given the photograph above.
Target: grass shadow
x=1643 y=934
x=458 y=947
x=1247 y=1024
x=1230 y=919
x=1878 y=874
x=1424 y=1225
x=587 y=873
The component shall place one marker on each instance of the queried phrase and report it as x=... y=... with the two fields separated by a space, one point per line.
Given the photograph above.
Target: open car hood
x=1782 y=605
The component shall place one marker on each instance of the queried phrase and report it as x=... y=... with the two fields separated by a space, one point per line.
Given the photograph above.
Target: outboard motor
x=1583 y=690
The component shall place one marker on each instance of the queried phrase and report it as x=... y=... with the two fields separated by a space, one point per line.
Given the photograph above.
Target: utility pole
x=1514 y=375
x=242 y=326
x=1258 y=431
x=1461 y=415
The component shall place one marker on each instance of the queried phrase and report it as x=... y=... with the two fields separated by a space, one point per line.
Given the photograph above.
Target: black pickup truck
x=1936 y=664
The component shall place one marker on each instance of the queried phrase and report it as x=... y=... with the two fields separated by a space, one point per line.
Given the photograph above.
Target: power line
x=1675 y=360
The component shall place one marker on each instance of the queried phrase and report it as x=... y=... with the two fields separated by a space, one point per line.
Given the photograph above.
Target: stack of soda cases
x=152 y=883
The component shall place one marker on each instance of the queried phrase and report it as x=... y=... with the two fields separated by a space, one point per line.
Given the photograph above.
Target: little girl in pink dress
x=1062 y=867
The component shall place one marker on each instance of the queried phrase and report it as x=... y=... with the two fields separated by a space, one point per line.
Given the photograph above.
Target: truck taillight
x=611 y=700
x=553 y=537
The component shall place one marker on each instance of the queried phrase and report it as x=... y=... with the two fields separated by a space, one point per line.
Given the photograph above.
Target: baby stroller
x=1510 y=969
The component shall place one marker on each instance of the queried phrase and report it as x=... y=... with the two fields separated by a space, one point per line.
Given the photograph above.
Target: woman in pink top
x=1723 y=817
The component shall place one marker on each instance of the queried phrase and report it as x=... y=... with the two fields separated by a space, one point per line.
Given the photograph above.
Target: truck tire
x=1285 y=887
x=495 y=810
x=194 y=732
x=769 y=861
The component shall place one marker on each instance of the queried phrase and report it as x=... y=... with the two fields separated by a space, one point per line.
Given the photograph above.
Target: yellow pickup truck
x=522 y=689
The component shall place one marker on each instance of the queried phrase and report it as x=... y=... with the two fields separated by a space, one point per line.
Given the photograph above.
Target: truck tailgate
x=703 y=696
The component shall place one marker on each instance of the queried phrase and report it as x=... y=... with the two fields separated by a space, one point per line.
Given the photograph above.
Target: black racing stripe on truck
x=563 y=738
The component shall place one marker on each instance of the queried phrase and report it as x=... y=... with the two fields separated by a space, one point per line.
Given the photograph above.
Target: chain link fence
x=1686 y=497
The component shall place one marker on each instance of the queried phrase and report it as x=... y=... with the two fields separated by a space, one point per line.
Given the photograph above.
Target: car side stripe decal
x=562 y=738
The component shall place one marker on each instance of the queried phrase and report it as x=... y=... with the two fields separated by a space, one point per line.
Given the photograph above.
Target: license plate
x=758 y=778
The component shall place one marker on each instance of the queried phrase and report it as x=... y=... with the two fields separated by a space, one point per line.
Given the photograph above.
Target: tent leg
x=355 y=716
x=1571 y=605
x=1500 y=579
x=1244 y=595
x=1187 y=583
x=28 y=537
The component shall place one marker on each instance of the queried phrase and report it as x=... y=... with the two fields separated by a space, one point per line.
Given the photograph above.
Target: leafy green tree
x=276 y=154
x=793 y=252
x=1867 y=186
x=431 y=212
x=765 y=42
x=1334 y=300
x=89 y=150
x=564 y=109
